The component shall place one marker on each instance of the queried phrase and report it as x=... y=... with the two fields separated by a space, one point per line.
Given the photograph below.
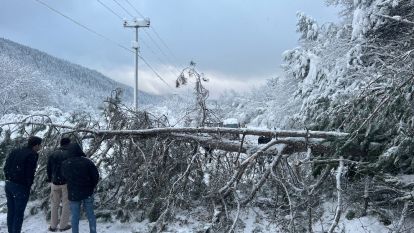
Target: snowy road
x=253 y=220
x=38 y=224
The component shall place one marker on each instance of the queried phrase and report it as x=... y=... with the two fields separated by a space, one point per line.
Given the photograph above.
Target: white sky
x=236 y=43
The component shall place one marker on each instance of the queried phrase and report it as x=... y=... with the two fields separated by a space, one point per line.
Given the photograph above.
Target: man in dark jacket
x=58 y=187
x=82 y=177
x=19 y=171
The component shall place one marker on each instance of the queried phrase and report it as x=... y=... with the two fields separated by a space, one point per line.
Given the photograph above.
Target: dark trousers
x=17 y=197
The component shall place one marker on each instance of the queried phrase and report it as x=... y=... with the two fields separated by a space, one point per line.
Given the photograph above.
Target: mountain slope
x=31 y=79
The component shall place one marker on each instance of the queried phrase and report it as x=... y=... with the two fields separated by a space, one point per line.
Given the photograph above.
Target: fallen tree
x=156 y=169
x=298 y=140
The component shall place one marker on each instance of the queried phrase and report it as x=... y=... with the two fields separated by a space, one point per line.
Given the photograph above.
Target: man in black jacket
x=82 y=177
x=58 y=187
x=19 y=171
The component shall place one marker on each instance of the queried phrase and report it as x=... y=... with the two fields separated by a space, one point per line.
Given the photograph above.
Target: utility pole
x=136 y=23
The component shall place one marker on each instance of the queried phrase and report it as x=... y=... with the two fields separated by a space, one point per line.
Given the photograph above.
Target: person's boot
x=65 y=228
x=52 y=229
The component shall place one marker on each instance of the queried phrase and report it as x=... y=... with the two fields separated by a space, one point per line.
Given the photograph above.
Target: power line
x=145 y=44
x=156 y=73
x=108 y=8
x=161 y=61
x=160 y=49
x=135 y=9
x=155 y=32
x=123 y=8
x=100 y=35
x=156 y=44
x=163 y=42
x=113 y=12
x=83 y=26
x=149 y=36
x=153 y=52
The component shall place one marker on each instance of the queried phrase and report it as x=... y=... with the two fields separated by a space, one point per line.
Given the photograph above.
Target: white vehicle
x=231 y=123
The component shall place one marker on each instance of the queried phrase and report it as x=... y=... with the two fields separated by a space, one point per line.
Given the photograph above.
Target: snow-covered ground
x=250 y=220
x=37 y=223
x=366 y=224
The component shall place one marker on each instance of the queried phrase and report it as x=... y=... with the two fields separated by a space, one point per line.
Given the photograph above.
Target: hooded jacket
x=20 y=166
x=80 y=173
x=54 y=165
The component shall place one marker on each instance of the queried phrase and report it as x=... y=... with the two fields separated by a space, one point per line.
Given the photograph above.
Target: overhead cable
x=83 y=26
x=109 y=9
x=116 y=1
x=145 y=44
x=153 y=70
x=102 y=36
x=135 y=9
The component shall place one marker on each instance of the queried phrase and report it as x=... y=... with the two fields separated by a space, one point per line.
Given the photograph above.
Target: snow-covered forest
x=32 y=80
x=337 y=125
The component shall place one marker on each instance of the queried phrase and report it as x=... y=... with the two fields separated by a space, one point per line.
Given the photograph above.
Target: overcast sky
x=236 y=43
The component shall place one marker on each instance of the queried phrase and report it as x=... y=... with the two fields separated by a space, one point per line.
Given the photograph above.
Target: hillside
x=31 y=79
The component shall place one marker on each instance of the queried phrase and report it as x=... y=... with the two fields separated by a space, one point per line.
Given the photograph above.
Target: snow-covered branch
x=212 y=130
x=257 y=186
x=339 y=191
x=402 y=218
x=396 y=18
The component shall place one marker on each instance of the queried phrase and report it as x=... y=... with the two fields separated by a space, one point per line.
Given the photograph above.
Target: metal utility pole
x=136 y=23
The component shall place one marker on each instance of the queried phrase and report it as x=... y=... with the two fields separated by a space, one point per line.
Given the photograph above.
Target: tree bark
x=214 y=130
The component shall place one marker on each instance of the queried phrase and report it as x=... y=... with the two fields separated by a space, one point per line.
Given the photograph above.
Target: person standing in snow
x=19 y=171
x=58 y=187
x=82 y=177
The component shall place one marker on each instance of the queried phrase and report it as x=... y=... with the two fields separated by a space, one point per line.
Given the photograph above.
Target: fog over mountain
x=31 y=79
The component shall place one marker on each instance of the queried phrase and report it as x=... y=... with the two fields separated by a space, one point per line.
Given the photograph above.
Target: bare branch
x=263 y=179
x=402 y=218
x=237 y=215
x=339 y=191
x=238 y=174
x=291 y=213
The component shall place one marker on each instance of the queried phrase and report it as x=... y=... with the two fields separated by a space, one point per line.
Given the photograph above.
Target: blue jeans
x=75 y=210
x=17 y=197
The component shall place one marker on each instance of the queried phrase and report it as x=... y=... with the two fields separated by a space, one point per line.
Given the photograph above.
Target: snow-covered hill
x=31 y=80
